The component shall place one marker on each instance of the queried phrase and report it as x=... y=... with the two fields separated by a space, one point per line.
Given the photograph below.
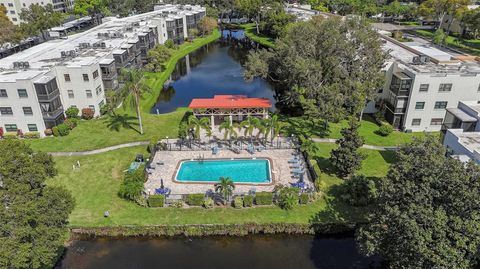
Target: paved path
x=332 y=140
x=97 y=151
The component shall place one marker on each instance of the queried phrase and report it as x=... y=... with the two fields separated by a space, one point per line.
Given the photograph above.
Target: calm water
x=213 y=69
x=251 y=171
x=303 y=252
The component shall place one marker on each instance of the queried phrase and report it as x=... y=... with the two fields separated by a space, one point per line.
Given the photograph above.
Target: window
x=12 y=11
x=92 y=107
x=10 y=4
x=6 y=111
x=416 y=122
x=27 y=110
x=32 y=128
x=478 y=90
x=419 y=105
x=89 y=93
x=95 y=74
x=440 y=105
x=445 y=87
x=67 y=77
x=11 y=127
x=85 y=77
x=424 y=87
x=3 y=93
x=98 y=90
x=22 y=93
x=436 y=121
x=101 y=103
x=14 y=19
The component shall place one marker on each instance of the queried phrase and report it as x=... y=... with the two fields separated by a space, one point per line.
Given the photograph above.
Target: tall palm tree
x=225 y=187
x=134 y=85
x=199 y=124
x=229 y=130
x=250 y=124
x=274 y=127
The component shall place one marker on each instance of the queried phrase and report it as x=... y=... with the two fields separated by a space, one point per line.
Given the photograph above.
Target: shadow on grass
x=389 y=156
x=307 y=128
x=117 y=122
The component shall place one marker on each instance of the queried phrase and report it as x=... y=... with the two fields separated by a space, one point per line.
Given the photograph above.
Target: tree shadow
x=116 y=122
x=307 y=128
x=390 y=156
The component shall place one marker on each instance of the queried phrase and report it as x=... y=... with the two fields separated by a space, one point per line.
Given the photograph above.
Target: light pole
x=167 y=142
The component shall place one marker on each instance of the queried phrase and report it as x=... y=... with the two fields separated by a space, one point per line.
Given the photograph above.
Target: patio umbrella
x=161 y=184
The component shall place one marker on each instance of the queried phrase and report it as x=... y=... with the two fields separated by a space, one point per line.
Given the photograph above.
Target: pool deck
x=281 y=171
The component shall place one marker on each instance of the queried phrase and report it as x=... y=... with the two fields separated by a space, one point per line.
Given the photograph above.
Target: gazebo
x=233 y=107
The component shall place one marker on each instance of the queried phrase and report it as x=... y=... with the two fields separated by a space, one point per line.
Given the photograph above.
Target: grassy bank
x=96 y=184
x=470 y=46
x=251 y=32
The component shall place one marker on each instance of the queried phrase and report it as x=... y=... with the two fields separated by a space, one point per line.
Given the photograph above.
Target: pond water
x=213 y=69
x=251 y=252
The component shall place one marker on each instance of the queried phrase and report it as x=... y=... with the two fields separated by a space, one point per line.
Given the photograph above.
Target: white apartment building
x=14 y=7
x=38 y=84
x=422 y=81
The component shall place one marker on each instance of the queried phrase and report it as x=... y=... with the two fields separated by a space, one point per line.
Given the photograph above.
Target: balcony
x=49 y=96
x=396 y=110
x=51 y=115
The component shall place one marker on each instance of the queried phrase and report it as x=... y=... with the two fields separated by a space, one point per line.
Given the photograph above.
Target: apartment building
x=14 y=7
x=422 y=81
x=38 y=84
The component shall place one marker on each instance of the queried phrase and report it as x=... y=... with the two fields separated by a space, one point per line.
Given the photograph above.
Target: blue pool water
x=240 y=171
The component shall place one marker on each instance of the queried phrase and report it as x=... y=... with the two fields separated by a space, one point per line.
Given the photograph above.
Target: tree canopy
x=8 y=31
x=33 y=216
x=427 y=211
x=37 y=19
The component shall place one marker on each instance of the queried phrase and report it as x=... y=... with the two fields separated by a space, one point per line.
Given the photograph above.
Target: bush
x=87 y=113
x=248 y=201
x=264 y=198
x=194 y=199
x=63 y=129
x=287 y=197
x=384 y=130
x=170 y=44
x=48 y=132
x=177 y=204
x=19 y=133
x=156 y=200
x=71 y=123
x=104 y=109
x=304 y=198
x=72 y=112
x=359 y=191
x=31 y=135
x=10 y=135
x=55 y=131
x=132 y=185
x=208 y=202
x=238 y=202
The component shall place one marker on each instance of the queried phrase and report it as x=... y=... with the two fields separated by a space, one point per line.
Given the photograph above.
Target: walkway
x=97 y=151
x=332 y=140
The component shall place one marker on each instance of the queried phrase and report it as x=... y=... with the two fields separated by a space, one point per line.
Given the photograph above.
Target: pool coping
x=270 y=163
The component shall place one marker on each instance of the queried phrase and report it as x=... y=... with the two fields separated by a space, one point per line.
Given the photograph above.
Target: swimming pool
x=246 y=171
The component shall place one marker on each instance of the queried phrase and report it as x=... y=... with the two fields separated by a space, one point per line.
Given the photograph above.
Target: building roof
x=230 y=101
x=460 y=114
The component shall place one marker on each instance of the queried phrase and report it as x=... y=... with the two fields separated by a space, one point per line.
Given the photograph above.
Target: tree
x=33 y=215
x=37 y=19
x=229 y=130
x=359 y=191
x=135 y=86
x=91 y=8
x=206 y=25
x=8 y=31
x=346 y=159
x=199 y=124
x=273 y=128
x=249 y=125
x=287 y=196
x=252 y=9
x=471 y=20
x=426 y=214
x=441 y=8
x=225 y=187
x=275 y=21
x=334 y=64
x=157 y=58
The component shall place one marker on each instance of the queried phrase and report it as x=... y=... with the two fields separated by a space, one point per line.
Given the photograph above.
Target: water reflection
x=213 y=69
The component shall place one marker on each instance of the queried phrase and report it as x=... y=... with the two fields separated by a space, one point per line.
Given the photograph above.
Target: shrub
x=248 y=201
x=48 y=132
x=132 y=185
x=304 y=198
x=71 y=123
x=287 y=197
x=359 y=191
x=31 y=135
x=264 y=198
x=194 y=199
x=208 y=202
x=10 y=135
x=72 y=112
x=238 y=202
x=170 y=44
x=55 y=131
x=156 y=200
x=177 y=204
x=384 y=130
x=63 y=129
x=1 y=131
x=87 y=113
x=19 y=133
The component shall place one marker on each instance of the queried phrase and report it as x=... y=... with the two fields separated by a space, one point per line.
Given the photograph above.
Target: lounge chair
x=297 y=171
x=294 y=160
x=300 y=184
x=260 y=148
x=250 y=149
x=235 y=149
x=295 y=165
x=215 y=150
x=163 y=191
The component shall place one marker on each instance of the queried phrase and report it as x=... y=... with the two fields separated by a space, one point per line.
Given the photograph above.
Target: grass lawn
x=470 y=46
x=95 y=187
x=251 y=32
x=367 y=129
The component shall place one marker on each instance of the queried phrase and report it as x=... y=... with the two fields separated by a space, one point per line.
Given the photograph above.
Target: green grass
x=95 y=187
x=470 y=46
x=251 y=32
x=298 y=125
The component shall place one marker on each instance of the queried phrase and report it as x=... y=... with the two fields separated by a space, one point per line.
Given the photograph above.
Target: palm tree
x=274 y=127
x=199 y=124
x=250 y=124
x=225 y=187
x=135 y=85
x=229 y=130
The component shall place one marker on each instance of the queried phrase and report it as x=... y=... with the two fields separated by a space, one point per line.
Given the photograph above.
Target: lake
x=213 y=69
x=250 y=252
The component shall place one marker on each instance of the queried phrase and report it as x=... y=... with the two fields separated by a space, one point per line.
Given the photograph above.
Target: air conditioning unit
x=63 y=54
x=103 y=45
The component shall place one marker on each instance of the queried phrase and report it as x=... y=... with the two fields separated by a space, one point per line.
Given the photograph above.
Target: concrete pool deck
x=280 y=168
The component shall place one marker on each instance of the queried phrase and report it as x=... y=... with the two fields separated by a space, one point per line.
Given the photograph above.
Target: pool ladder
x=201 y=158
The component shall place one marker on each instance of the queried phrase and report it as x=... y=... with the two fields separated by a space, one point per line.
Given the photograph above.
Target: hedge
x=157 y=200
x=194 y=199
x=238 y=202
x=30 y=135
x=264 y=198
x=304 y=198
x=248 y=201
x=10 y=135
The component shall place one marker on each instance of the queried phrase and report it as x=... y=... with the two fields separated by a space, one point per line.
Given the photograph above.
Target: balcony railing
x=49 y=96
x=53 y=114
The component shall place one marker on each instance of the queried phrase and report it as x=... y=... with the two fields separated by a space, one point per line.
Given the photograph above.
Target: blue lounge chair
x=297 y=171
x=295 y=165
x=163 y=191
x=300 y=184
x=250 y=149
x=215 y=150
x=294 y=160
